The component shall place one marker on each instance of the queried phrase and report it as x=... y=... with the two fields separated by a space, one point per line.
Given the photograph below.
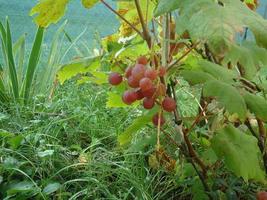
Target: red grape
x=262 y=195
x=169 y=104
x=162 y=71
x=128 y=72
x=145 y=84
x=150 y=92
x=139 y=95
x=138 y=71
x=129 y=97
x=115 y=78
x=142 y=60
x=156 y=118
x=148 y=103
x=132 y=82
x=151 y=74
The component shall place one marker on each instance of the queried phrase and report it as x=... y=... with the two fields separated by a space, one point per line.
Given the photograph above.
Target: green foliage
x=257 y=105
x=228 y=96
x=22 y=87
x=240 y=153
x=139 y=123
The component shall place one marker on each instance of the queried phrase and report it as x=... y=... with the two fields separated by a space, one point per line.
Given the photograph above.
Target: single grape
x=148 y=103
x=151 y=74
x=138 y=71
x=142 y=60
x=115 y=78
x=162 y=71
x=139 y=94
x=145 y=84
x=169 y=104
x=262 y=195
x=149 y=93
x=132 y=82
x=156 y=118
x=129 y=97
x=128 y=72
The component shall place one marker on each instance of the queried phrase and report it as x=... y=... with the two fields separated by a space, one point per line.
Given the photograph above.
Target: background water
x=97 y=19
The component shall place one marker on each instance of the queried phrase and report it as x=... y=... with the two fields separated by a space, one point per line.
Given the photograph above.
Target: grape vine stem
x=123 y=18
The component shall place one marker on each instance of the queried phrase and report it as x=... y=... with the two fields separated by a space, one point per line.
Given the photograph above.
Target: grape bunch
x=145 y=84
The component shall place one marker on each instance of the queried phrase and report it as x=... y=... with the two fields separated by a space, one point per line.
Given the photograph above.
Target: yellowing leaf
x=50 y=11
x=89 y=3
x=128 y=10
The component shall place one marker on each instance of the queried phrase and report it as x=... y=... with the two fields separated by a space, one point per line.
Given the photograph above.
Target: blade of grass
x=11 y=62
x=33 y=61
x=19 y=54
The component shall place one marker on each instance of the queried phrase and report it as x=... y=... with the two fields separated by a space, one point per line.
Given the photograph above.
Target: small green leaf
x=21 y=187
x=45 y=153
x=51 y=188
x=240 y=152
x=15 y=141
x=89 y=3
x=257 y=105
x=76 y=67
x=126 y=137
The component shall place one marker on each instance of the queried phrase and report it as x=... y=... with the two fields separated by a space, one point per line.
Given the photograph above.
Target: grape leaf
x=128 y=10
x=249 y=55
x=196 y=77
x=165 y=6
x=228 y=19
x=228 y=96
x=239 y=151
x=50 y=11
x=257 y=105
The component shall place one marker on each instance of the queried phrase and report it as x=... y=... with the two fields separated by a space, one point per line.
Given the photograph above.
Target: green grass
x=71 y=143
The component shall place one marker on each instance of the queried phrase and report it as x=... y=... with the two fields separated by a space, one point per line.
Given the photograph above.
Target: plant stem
x=145 y=34
x=123 y=18
x=183 y=56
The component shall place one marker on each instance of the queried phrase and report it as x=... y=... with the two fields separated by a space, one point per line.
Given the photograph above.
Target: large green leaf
x=217 y=71
x=228 y=96
x=228 y=19
x=196 y=77
x=165 y=6
x=249 y=55
x=240 y=153
x=257 y=105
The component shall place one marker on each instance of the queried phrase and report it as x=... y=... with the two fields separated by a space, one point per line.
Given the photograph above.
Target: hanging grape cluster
x=145 y=85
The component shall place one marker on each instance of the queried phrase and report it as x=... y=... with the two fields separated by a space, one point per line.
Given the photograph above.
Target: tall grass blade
x=11 y=62
x=33 y=61
x=19 y=54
